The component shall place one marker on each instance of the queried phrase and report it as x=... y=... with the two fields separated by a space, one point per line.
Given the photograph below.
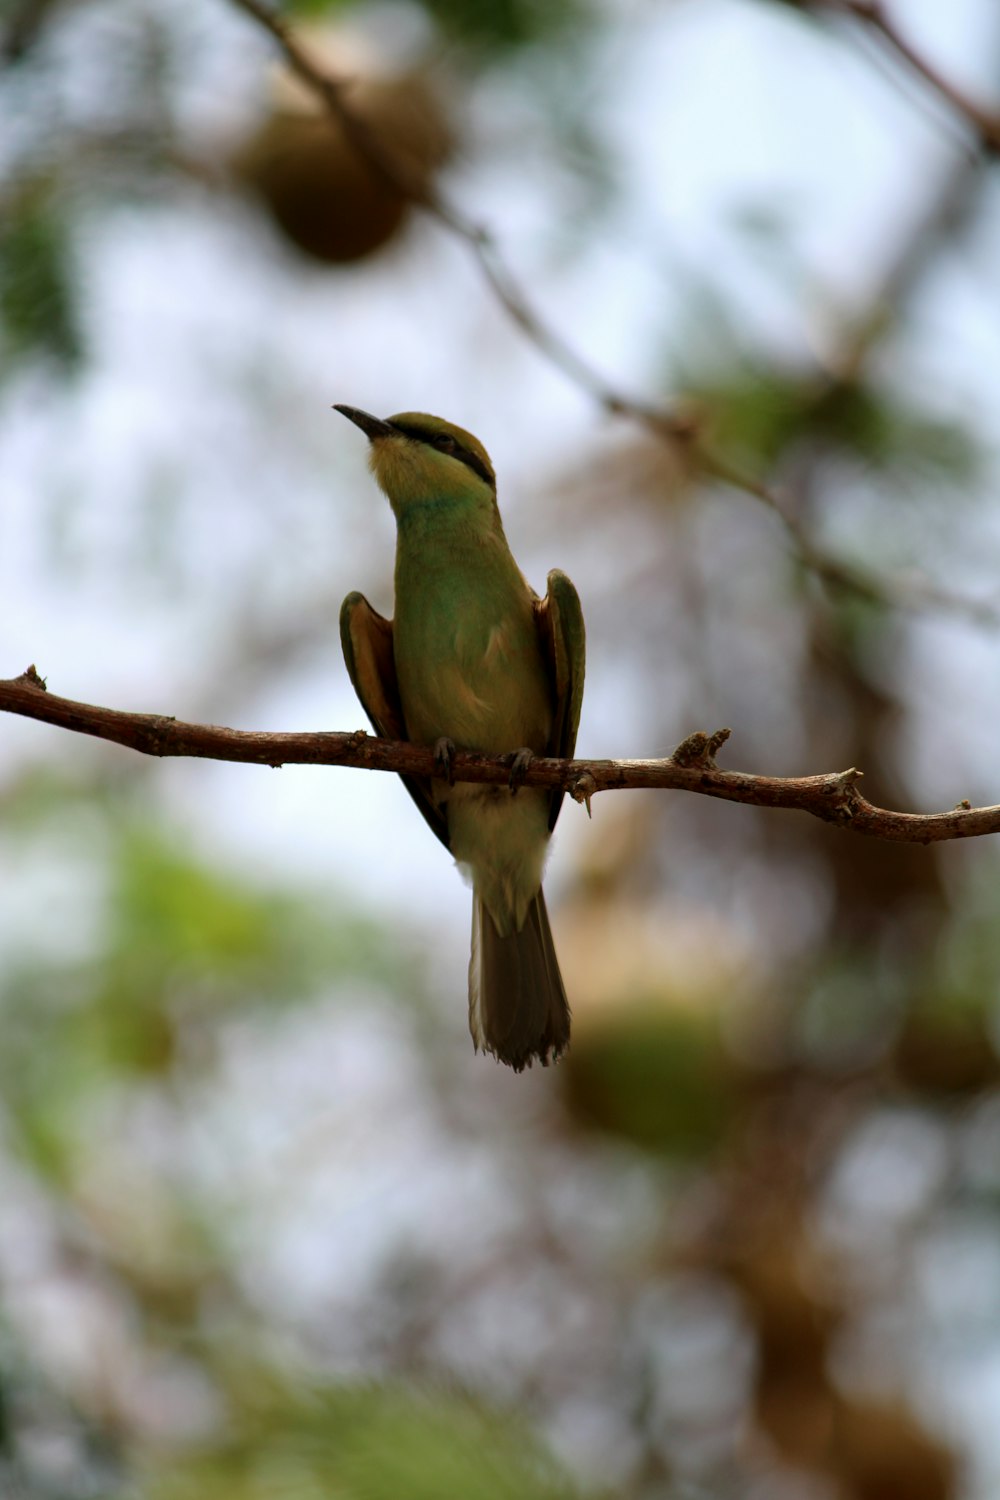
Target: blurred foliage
x=313 y=185
x=763 y=414
x=177 y=944
x=493 y=26
x=367 y=1443
x=502 y=24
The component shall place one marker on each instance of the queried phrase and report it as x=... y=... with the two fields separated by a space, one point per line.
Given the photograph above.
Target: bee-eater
x=474 y=659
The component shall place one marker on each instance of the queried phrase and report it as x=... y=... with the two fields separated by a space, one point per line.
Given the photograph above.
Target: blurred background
x=267 y=1226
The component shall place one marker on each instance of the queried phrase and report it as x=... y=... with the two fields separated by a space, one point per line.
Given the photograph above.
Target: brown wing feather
x=561 y=635
x=366 y=637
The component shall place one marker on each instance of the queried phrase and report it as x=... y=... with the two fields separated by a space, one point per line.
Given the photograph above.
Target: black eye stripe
x=471 y=460
x=475 y=464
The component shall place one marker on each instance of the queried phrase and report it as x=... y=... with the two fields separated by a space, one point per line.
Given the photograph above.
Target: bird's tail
x=517 y=1003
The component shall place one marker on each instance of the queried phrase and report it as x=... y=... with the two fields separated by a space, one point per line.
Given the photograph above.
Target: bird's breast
x=468 y=660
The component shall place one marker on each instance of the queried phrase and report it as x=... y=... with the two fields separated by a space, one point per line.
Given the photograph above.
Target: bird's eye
x=446 y=444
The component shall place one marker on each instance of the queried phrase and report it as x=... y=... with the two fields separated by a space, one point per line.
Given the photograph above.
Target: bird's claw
x=444 y=751
x=520 y=763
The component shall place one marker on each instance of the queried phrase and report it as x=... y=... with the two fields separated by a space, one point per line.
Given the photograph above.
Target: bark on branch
x=834 y=797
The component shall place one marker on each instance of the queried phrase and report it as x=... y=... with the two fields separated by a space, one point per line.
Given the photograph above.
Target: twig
x=848 y=577
x=677 y=426
x=833 y=797
x=333 y=93
x=985 y=122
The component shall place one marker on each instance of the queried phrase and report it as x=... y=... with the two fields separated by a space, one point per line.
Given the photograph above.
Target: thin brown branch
x=334 y=94
x=848 y=577
x=833 y=797
x=675 y=425
x=984 y=122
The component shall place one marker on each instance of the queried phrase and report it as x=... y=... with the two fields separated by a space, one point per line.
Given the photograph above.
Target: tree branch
x=833 y=797
x=676 y=425
x=333 y=93
x=984 y=122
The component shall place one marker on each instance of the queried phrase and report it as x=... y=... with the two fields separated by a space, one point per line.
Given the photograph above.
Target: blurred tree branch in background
x=680 y=425
x=833 y=797
x=983 y=122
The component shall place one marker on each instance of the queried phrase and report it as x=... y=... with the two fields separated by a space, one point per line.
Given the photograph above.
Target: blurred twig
x=833 y=797
x=985 y=122
x=675 y=426
x=334 y=94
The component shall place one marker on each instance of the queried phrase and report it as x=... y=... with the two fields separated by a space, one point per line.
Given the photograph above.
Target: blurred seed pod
x=315 y=183
x=649 y=1061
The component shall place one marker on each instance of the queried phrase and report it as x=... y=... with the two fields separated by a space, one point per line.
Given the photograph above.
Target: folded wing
x=366 y=637
x=563 y=641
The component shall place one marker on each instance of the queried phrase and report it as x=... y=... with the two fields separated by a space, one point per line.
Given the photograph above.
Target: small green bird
x=473 y=658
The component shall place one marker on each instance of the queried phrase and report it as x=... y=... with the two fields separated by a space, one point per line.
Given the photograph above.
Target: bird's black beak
x=372 y=427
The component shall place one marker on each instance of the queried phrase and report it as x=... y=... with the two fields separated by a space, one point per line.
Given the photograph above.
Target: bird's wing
x=371 y=665
x=563 y=641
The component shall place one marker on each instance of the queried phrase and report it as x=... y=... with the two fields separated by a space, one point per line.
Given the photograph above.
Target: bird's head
x=417 y=457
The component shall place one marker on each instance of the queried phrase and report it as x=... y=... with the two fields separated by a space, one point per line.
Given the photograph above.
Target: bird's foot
x=520 y=763
x=444 y=751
